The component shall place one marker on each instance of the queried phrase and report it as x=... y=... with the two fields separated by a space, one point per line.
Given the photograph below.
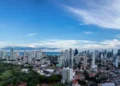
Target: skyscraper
x=71 y=56
x=101 y=56
x=2 y=54
x=25 y=59
x=93 y=59
x=94 y=67
x=67 y=74
x=39 y=54
x=66 y=55
x=76 y=52
x=85 y=60
x=11 y=54
x=116 y=61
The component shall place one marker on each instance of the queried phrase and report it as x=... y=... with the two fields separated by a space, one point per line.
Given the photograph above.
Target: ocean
x=47 y=53
x=52 y=53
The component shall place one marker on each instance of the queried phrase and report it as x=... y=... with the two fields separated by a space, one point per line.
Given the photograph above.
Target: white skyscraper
x=64 y=75
x=70 y=74
x=94 y=67
x=93 y=60
x=67 y=74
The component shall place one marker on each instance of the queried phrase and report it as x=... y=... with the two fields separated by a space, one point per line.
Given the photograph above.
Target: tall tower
x=71 y=56
x=101 y=55
x=39 y=54
x=116 y=61
x=11 y=54
x=93 y=59
x=25 y=59
x=3 y=54
x=85 y=60
x=66 y=55
x=94 y=67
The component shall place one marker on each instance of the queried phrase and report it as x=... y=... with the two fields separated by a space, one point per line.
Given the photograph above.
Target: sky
x=60 y=24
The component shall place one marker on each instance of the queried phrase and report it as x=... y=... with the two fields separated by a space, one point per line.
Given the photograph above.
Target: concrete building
x=116 y=62
x=12 y=54
x=71 y=57
x=25 y=57
x=93 y=59
x=94 y=67
x=39 y=54
x=85 y=61
x=101 y=56
x=3 y=54
x=67 y=74
x=16 y=55
x=66 y=55
x=108 y=84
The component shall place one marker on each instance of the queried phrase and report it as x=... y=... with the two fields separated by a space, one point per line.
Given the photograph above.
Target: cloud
x=103 y=13
x=32 y=34
x=88 y=32
x=2 y=43
x=59 y=45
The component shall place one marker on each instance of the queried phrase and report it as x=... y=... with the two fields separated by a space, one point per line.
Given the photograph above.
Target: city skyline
x=60 y=24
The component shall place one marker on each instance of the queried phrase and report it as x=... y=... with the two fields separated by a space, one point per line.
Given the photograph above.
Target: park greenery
x=12 y=74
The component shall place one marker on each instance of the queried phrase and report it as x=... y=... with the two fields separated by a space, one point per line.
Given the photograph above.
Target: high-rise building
x=118 y=53
x=101 y=56
x=112 y=53
x=66 y=55
x=12 y=54
x=67 y=74
x=76 y=52
x=64 y=75
x=16 y=55
x=93 y=59
x=71 y=57
x=39 y=54
x=116 y=61
x=85 y=60
x=2 y=54
x=70 y=74
x=105 y=55
x=25 y=58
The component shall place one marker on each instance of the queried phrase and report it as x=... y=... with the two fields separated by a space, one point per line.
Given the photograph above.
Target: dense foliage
x=12 y=74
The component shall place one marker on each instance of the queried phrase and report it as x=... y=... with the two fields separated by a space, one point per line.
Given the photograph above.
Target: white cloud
x=80 y=44
x=103 y=13
x=2 y=43
x=66 y=44
x=88 y=32
x=32 y=34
